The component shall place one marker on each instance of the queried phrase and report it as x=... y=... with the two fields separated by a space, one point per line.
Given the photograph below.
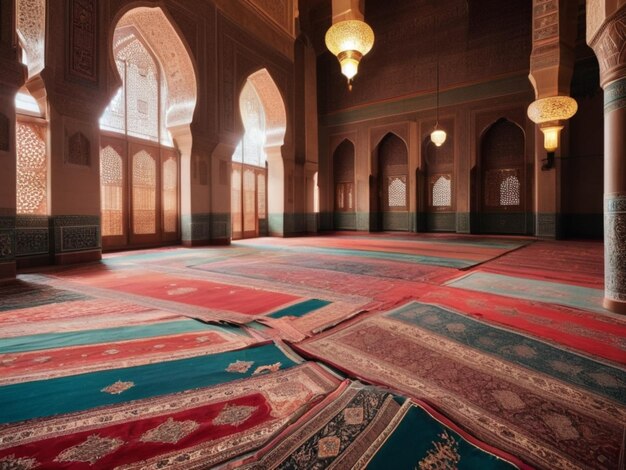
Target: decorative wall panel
x=82 y=32
x=76 y=233
x=32 y=168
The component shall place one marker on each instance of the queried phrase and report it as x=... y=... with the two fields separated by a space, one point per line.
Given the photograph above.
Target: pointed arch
x=392 y=158
x=262 y=185
x=439 y=184
x=502 y=190
x=154 y=104
x=344 y=185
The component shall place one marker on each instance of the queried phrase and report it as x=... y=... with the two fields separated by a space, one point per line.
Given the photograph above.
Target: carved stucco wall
x=31 y=28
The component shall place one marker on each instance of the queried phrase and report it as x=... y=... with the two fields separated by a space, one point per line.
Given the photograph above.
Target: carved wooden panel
x=83 y=21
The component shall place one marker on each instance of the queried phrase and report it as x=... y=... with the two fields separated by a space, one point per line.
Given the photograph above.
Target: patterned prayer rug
x=571 y=262
x=197 y=428
x=552 y=408
x=360 y=427
x=585 y=298
x=294 y=311
x=50 y=355
x=67 y=394
x=451 y=253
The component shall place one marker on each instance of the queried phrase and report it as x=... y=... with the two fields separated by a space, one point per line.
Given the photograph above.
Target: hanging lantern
x=438 y=137
x=349 y=40
x=549 y=114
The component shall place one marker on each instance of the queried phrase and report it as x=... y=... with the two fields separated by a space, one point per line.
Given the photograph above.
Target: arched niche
x=389 y=196
x=261 y=88
x=501 y=193
x=344 y=186
x=438 y=184
x=151 y=112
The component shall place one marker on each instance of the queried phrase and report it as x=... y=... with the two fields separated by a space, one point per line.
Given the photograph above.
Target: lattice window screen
x=32 y=169
x=114 y=117
x=510 y=191
x=144 y=193
x=142 y=91
x=235 y=200
x=170 y=194
x=442 y=191
x=253 y=117
x=502 y=187
x=249 y=202
x=112 y=192
x=396 y=191
x=261 y=194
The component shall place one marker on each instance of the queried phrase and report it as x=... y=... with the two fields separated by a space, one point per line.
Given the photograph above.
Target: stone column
x=78 y=93
x=551 y=70
x=606 y=34
x=12 y=76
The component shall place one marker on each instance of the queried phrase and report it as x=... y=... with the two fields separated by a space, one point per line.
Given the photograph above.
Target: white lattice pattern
x=510 y=191
x=397 y=191
x=111 y=191
x=32 y=169
x=442 y=192
x=144 y=193
x=251 y=149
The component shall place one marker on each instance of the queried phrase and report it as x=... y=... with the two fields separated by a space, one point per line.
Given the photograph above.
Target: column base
x=77 y=257
x=614 y=306
x=8 y=271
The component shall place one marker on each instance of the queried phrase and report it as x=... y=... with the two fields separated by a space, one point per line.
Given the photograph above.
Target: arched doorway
x=502 y=189
x=439 y=183
x=140 y=164
x=343 y=177
x=257 y=177
x=393 y=183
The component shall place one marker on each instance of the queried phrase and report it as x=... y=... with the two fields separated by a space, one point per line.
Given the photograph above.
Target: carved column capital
x=609 y=44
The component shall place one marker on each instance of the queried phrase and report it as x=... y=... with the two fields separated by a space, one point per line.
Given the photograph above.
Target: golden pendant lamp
x=349 y=40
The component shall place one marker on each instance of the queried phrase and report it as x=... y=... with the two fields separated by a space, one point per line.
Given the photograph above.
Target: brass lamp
x=549 y=114
x=349 y=40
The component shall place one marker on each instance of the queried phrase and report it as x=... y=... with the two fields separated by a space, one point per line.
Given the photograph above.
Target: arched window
x=139 y=168
x=249 y=169
x=442 y=192
x=32 y=168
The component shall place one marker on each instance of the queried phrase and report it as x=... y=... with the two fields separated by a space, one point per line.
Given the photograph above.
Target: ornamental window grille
x=442 y=191
x=397 y=191
x=32 y=168
x=169 y=196
x=510 y=191
x=139 y=107
x=251 y=149
x=235 y=201
x=144 y=193
x=502 y=188
x=112 y=192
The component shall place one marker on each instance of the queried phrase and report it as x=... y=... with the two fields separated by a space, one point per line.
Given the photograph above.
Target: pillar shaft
x=608 y=41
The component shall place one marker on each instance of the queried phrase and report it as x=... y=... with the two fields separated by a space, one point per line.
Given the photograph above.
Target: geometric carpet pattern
x=431 y=351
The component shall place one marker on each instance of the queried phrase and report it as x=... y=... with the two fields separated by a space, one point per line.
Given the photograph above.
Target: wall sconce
x=549 y=114
x=349 y=40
